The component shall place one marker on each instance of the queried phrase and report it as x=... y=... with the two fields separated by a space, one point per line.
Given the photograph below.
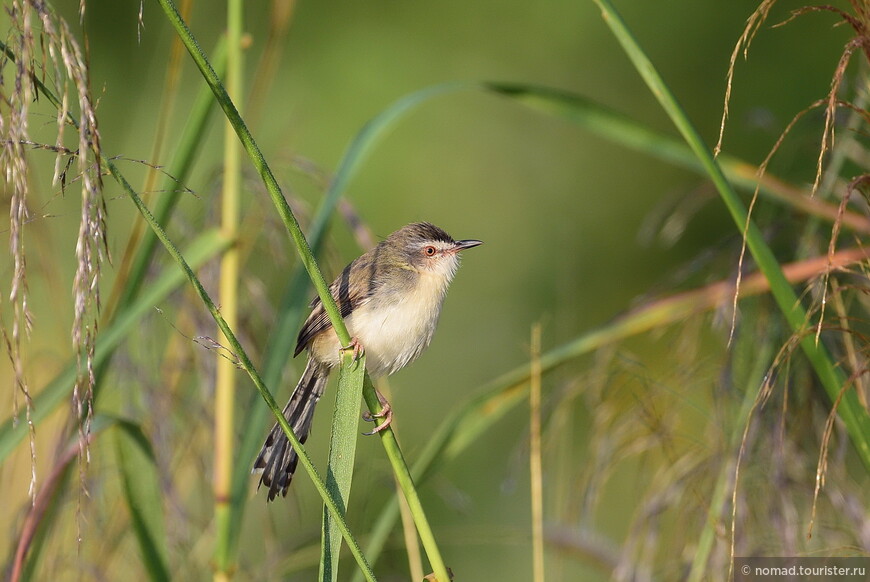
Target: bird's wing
x=348 y=296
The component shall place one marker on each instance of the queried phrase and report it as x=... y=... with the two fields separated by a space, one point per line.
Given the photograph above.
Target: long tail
x=277 y=460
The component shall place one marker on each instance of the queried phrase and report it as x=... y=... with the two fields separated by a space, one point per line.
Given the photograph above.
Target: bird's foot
x=386 y=414
x=354 y=347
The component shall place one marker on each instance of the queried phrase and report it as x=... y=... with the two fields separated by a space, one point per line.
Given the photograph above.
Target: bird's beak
x=461 y=245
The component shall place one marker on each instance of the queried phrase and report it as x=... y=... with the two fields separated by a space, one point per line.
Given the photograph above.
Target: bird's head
x=425 y=248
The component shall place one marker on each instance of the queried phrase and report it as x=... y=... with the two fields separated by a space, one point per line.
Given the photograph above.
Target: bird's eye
x=429 y=250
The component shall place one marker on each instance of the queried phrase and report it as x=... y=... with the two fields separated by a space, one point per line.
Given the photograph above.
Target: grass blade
x=142 y=492
x=342 y=451
x=368 y=137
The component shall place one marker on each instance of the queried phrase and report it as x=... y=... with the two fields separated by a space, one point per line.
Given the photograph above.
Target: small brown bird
x=390 y=299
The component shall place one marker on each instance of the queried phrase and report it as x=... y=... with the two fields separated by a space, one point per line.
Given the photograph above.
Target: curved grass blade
x=141 y=486
x=366 y=140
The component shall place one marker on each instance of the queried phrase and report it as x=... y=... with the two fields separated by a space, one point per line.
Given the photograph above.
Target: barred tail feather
x=277 y=460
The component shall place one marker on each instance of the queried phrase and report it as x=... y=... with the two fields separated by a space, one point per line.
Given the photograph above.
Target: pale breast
x=393 y=328
x=394 y=332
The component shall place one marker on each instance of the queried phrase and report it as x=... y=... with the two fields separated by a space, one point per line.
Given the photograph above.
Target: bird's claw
x=386 y=414
x=354 y=347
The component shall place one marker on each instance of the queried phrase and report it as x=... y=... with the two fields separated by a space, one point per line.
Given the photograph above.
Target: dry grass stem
x=822 y=466
x=762 y=169
x=535 y=463
x=753 y=23
x=832 y=246
x=40 y=505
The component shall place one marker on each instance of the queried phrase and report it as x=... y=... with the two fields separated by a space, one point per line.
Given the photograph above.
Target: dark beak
x=461 y=245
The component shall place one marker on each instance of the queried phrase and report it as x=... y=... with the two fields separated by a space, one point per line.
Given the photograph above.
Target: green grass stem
x=406 y=484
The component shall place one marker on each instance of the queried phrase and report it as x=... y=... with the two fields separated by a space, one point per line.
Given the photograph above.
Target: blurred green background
x=577 y=231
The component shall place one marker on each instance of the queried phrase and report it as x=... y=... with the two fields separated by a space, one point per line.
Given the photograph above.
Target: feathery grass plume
x=62 y=63
x=13 y=132
x=860 y=42
x=830 y=292
x=91 y=243
x=838 y=289
x=753 y=23
x=860 y=23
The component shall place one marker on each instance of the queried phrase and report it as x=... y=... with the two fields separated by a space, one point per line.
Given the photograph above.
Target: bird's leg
x=386 y=413
x=355 y=347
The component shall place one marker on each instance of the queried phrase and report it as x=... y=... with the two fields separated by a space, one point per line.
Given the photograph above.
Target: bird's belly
x=392 y=335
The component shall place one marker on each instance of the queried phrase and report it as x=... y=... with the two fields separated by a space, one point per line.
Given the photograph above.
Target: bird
x=390 y=299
